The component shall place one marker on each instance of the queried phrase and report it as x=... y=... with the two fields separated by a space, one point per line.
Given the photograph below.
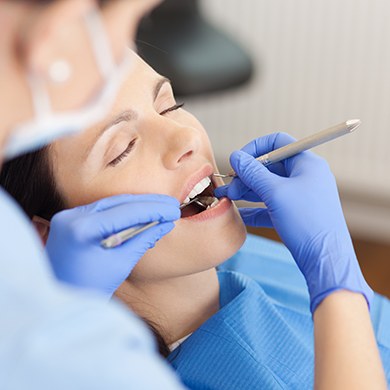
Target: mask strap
x=103 y=58
x=100 y=43
x=40 y=97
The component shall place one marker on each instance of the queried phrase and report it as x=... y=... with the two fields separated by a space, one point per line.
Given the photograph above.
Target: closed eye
x=173 y=108
x=123 y=155
x=129 y=148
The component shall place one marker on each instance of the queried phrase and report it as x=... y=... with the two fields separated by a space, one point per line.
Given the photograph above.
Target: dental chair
x=197 y=57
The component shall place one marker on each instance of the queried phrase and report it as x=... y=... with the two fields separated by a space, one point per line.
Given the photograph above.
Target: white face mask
x=47 y=125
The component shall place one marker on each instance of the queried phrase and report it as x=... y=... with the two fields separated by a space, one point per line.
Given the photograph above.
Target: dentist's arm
x=74 y=240
x=304 y=207
x=54 y=337
x=346 y=355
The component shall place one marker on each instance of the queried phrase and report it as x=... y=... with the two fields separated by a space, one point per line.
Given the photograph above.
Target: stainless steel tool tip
x=353 y=124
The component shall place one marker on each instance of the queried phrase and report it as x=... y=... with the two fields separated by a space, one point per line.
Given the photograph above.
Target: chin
x=193 y=247
x=224 y=239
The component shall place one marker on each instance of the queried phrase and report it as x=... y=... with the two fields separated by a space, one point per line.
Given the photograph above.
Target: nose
x=181 y=144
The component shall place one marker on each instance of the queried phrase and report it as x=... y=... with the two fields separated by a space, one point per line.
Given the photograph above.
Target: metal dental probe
x=125 y=235
x=304 y=144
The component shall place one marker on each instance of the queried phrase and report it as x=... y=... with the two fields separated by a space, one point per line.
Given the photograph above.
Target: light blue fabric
x=271 y=264
x=249 y=344
x=262 y=337
x=52 y=337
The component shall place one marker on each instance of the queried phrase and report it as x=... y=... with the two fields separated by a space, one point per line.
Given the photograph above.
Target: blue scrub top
x=54 y=337
x=262 y=337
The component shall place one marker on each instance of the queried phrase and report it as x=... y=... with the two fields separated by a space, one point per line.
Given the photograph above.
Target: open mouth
x=204 y=192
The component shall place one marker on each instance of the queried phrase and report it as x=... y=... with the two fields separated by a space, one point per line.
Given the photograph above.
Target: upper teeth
x=199 y=187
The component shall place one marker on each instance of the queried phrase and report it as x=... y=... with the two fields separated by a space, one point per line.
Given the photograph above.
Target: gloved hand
x=304 y=207
x=74 y=247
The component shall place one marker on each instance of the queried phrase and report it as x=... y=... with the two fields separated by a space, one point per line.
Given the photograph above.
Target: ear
x=42 y=226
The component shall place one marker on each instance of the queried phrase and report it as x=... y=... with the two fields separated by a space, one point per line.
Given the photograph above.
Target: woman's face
x=151 y=145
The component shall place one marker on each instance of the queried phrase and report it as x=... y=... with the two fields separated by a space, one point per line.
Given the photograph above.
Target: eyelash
x=129 y=148
x=123 y=155
x=173 y=108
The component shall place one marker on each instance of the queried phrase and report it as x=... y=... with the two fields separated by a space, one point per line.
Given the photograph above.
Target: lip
x=205 y=171
x=223 y=206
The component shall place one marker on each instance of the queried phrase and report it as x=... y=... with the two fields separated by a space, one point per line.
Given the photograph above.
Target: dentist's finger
x=124 y=216
x=145 y=240
x=95 y=226
x=256 y=217
x=116 y=200
x=253 y=174
x=221 y=191
x=268 y=143
x=237 y=190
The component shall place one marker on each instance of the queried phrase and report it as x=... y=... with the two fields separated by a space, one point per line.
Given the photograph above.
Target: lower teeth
x=214 y=203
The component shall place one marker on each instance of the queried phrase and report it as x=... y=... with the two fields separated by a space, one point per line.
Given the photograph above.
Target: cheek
x=127 y=180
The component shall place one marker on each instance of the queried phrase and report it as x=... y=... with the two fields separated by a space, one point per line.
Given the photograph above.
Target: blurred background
x=260 y=66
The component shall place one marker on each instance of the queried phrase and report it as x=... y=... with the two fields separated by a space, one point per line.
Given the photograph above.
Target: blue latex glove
x=303 y=206
x=74 y=247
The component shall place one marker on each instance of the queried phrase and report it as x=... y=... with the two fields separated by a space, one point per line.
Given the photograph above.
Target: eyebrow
x=126 y=116
x=160 y=82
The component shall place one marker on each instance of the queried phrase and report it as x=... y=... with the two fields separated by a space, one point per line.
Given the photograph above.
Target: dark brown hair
x=30 y=181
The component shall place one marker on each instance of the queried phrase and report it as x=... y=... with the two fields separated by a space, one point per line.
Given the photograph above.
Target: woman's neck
x=177 y=307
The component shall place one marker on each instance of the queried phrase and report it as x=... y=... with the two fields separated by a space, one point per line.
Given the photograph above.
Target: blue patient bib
x=262 y=337
x=250 y=343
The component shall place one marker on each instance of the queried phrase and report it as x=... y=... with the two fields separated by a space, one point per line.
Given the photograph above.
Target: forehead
x=138 y=83
x=136 y=89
